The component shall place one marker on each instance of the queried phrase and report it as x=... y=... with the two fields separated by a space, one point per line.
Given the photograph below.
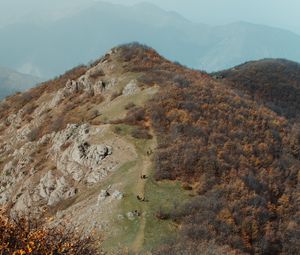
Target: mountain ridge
x=210 y=48
x=221 y=168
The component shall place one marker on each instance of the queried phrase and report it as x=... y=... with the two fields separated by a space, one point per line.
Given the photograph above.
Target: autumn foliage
x=240 y=156
x=22 y=236
x=274 y=83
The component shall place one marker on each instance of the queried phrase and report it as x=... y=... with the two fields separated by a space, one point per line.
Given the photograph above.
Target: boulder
x=53 y=190
x=131 y=88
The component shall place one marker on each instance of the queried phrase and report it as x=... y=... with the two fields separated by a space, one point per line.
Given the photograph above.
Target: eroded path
x=146 y=165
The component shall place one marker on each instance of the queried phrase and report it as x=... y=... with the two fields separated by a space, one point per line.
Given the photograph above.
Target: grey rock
x=131 y=88
x=117 y=195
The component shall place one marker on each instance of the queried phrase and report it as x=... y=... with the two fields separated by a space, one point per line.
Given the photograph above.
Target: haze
x=276 y=13
x=45 y=38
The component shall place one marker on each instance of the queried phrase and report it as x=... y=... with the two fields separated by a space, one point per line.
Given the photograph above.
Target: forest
x=240 y=156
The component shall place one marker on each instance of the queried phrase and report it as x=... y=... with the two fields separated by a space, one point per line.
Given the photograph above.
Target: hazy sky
x=278 y=13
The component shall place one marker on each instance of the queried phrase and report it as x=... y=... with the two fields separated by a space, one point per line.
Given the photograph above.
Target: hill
x=273 y=82
x=59 y=43
x=12 y=81
x=153 y=156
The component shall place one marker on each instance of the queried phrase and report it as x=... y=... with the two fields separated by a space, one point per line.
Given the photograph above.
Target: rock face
x=54 y=190
x=80 y=159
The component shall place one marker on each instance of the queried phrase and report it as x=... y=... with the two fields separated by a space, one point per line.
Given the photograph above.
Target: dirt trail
x=140 y=189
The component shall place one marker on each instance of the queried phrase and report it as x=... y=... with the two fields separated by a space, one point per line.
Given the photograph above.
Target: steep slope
x=273 y=82
x=74 y=149
x=48 y=48
x=12 y=81
x=221 y=171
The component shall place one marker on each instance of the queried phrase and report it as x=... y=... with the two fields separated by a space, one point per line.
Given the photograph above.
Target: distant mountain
x=12 y=81
x=240 y=42
x=61 y=41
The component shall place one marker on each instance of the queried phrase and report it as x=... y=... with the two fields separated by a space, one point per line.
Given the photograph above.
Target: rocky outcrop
x=131 y=88
x=58 y=173
x=81 y=159
x=53 y=190
x=76 y=159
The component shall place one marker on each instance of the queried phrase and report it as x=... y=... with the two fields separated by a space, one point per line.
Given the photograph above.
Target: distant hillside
x=274 y=82
x=55 y=45
x=12 y=81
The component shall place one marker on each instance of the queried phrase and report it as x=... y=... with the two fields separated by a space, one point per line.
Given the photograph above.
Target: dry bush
x=129 y=106
x=65 y=146
x=93 y=114
x=97 y=99
x=141 y=133
x=23 y=236
x=29 y=109
x=162 y=214
x=57 y=124
x=97 y=73
x=34 y=134
x=114 y=95
x=70 y=106
x=117 y=130
x=135 y=116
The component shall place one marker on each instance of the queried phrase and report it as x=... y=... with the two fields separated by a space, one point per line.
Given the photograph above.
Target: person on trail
x=137 y=213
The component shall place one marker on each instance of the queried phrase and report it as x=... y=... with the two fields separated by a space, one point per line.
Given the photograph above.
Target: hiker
x=103 y=85
x=145 y=200
x=143 y=176
x=137 y=213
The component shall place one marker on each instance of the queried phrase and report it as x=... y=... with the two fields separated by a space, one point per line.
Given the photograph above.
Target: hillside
x=12 y=81
x=273 y=82
x=63 y=40
x=154 y=157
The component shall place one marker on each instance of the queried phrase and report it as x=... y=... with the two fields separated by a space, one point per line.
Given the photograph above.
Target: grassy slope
x=145 y=232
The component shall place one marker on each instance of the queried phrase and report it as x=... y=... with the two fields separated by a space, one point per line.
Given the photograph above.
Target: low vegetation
x=235 y=153
x=23 y=236
x=232 y=142
x=274 y=83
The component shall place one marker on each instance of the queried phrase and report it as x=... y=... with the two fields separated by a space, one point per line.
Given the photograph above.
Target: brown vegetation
x=272 y=82
x=237 y=153
x=141 y=133
x=23 y=236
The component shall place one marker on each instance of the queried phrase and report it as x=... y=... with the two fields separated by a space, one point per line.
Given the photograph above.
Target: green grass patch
x=125 y=229
x=166 y=196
